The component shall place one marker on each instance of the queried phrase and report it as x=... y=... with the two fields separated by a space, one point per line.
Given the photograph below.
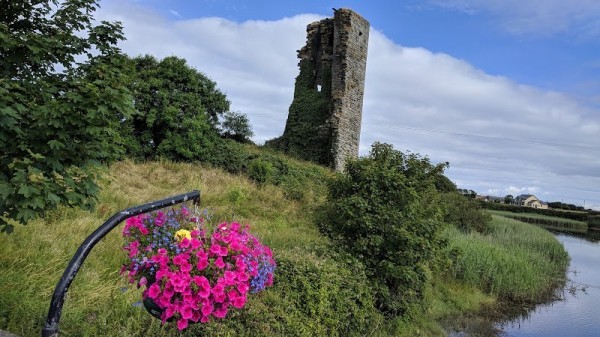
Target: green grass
x=518 y=262
x=541 y=219
x=316 y=291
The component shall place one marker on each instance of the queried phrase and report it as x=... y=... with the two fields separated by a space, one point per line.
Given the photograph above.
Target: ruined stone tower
x=324 y=119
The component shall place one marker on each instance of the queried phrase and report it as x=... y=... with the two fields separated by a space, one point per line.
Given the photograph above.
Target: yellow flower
x=183 y=233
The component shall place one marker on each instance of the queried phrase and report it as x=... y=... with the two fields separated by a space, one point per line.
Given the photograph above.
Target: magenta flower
x=207 y=308
x=203 y=286
x=153 y=291
x=221 y=312
x=220 y=263
x=160 y=219
x=199 y=276
x=182 y=324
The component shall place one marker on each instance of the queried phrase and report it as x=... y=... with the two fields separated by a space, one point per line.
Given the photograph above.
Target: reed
x=540 y=219
x=517 y=261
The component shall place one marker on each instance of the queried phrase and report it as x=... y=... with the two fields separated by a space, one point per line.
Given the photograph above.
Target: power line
x=466 y=135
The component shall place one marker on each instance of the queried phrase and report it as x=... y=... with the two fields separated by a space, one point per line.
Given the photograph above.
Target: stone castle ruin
x=324 y=118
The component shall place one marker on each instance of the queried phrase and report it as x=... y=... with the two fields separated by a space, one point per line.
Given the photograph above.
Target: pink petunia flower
x=182 y=323
x=153 y=291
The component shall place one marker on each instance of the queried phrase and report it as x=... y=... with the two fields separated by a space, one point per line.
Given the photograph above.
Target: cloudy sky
x=507 y=91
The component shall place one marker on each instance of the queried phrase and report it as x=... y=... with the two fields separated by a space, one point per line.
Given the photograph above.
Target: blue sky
x=543 y=54
x=507 y=91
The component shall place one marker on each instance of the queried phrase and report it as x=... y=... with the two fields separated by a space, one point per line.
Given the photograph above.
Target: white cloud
x=417 y=100
x=540 y=17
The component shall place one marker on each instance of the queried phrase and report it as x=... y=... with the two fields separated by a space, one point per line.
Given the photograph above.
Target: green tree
x=62 y=96
x=178 y=110
x=386 y=211
x=236 y=126
x=443 y=184
x=509 y=199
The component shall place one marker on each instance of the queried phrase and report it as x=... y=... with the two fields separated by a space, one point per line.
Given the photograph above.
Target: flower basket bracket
x=51 y=326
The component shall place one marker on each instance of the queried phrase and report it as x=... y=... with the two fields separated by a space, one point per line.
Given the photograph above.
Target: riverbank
x=500 y=274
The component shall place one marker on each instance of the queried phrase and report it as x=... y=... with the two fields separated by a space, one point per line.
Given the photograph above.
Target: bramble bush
x=386 y=211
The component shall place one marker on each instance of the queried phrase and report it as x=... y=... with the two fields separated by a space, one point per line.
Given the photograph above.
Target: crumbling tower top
x=324 y=119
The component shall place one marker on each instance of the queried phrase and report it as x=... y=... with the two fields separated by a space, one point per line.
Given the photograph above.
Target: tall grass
x=314 y=292
x=540 y=219
x=517 y=261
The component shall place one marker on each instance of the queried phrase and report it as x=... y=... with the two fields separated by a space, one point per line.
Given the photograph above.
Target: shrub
x=466 y=214
x=385 y=210
x=325 y=296
x=261 y=171
x=227 y=155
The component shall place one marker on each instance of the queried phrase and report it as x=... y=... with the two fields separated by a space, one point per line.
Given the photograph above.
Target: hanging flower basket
x=192 y=273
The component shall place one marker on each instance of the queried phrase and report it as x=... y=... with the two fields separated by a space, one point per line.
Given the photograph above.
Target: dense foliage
x=236 y=126
x=562 y=205
x=177 y=110
x=62 y=95
x=466 y=213
x=386 y=211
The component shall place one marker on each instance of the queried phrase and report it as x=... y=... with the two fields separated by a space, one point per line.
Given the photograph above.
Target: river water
x=577 y=314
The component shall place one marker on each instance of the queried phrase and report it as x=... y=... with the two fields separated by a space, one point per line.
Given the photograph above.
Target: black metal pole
x=51 y=327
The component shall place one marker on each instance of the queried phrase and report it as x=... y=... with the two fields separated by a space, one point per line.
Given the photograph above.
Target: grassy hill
x=316 y=291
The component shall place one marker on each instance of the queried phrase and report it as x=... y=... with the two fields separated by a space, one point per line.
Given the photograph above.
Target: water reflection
x=574 y=311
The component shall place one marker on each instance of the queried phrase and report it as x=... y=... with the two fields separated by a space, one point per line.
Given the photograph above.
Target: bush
x=227 y=155
x=466 y=214
x=261 y=171
x=386 y=211
x=327 y=296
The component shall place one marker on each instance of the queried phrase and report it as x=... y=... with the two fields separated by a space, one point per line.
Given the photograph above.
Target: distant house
x=530 y=200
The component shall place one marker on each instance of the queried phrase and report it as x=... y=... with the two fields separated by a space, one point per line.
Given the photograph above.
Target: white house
x=530 y=200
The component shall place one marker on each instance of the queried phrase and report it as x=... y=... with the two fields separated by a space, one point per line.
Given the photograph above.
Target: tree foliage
x=177 y=110
x=62 y=95
x=236 y=126
x=385 y=210
x=466 y=213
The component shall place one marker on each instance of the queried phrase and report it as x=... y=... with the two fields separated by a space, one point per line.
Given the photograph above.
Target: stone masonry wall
x=351 y=39
x=324 y=120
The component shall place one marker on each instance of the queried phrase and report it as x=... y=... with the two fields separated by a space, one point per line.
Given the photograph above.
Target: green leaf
x=53 y=198
x=56 y=145
x=27 y=191
x=5 y=190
